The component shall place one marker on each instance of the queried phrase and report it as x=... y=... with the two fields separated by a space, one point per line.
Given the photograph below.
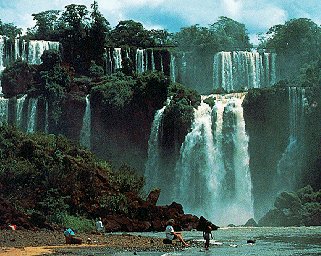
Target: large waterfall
x=4 y=110
x=209 y=178
x=290 y=164
x=85 y=133
x=234 y=71
x=36 y=49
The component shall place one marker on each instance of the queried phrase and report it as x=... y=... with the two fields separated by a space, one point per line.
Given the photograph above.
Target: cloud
x=258 y=16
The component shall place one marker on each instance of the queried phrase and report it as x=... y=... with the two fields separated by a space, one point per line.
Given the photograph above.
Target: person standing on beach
x=207 y=235
x=171 y=234
x=99 y=225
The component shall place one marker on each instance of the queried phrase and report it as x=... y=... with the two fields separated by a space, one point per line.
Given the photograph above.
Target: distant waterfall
x=47 y=117
x=4 y=110
x=2 y=45
x=36 y=49
x=153 y=164
x=85 y=133
x=19 y=108
x=140 y=61
x=32 y=115
x=117 y=58
x=172 y=68
x=290 y=164
x=243 y=70
x=153 y=61
x=203 y=180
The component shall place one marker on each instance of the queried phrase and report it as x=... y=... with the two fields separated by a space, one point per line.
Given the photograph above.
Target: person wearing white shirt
x=171 y=234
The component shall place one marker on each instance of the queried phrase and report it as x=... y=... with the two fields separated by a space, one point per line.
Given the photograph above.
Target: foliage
x=130 y=33
x=231 y=34
x=77 y=223
x=295 y=208
x=50 y=59
x=95 y=70
x=9 y=30
x=310 y=74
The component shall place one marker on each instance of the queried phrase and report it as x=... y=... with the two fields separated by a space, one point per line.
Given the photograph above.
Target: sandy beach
x=32 y=243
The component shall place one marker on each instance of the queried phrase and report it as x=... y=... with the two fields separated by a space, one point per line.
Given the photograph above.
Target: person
x=70 y=236
x=99 y=225
x=171 y=234
x=207 y=235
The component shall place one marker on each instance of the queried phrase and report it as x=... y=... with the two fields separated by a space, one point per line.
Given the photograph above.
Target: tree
x=160 y=37
x=98 y=32
x=46 y=25
x=9 y=30
x=231 y=34
x=297 y=43
x=130 y=33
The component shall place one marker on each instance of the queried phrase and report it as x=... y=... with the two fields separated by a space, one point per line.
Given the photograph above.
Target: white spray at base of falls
x=199 y=181
x=85 y=133
x=290 y=164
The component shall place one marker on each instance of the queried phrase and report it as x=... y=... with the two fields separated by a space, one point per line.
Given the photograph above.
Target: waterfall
x=36 y=49
x=19 y=108
x=153 y=164
x=4 y=110
x=140 y=63
x=240 y=70
x=85 y=133
x=172 y=68
x=290 y=164
x=32 y=115
x=201 y=179
x=47 y=117
x=117 y=58
x=153 y=61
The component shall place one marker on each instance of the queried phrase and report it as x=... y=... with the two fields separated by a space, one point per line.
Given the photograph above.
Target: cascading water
x=140 y=62
x=19 y=108
x=117 y=58
x=290 y=164
x=36 y=49
x=243 y=70
x=32 y=115
x=47 y=117
x=4 y=110
x=85 y=133
x=154 y=162
x=201 y=180
x=172 y=68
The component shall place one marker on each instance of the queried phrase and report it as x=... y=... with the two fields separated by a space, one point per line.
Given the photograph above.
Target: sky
x=257 y=15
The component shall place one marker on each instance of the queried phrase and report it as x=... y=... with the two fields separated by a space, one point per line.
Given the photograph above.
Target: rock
x=153 y=197
x=203 y=223
x=251 y=223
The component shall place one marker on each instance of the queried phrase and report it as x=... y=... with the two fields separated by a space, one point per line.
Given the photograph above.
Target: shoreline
x=34 y=243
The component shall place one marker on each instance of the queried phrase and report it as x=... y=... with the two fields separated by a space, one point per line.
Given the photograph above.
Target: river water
x=269 y=241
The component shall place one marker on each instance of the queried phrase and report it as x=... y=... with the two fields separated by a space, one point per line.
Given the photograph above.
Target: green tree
x=9 y=30
x=296 y=43
x=47 y=24
x=230 y=34
x=130 y=33
x=98 y=32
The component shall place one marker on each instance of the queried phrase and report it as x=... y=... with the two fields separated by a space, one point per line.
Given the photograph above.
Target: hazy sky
x=257 y=15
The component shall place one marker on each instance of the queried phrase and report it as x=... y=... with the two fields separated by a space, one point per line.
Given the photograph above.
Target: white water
x=243 y=70
x=140 y=61
x=289 y=166
x=4 y=110
x=36 y=49
x=117 y=58
x=153 y=163
x=199 y=179
x=19 y=108
x=32 y=115
x=85 y=133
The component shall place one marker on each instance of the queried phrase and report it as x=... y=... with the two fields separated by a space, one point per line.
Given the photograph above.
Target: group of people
x=170 y=233
x=70 y=234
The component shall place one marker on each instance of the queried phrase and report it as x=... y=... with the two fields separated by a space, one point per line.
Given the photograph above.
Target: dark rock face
x=251 y=223
x=204 y=223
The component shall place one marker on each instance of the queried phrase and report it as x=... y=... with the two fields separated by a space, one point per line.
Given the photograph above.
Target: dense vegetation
x=43 y=176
